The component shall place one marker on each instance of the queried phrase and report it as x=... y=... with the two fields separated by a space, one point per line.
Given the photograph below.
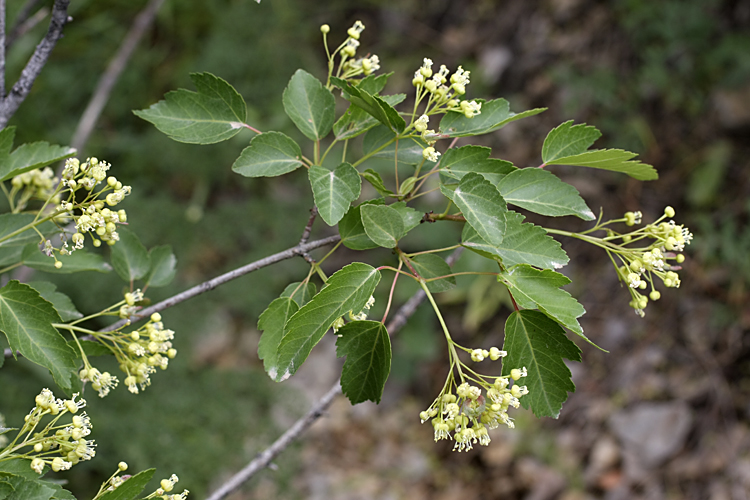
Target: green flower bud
x=325 y=29
x=669 y=212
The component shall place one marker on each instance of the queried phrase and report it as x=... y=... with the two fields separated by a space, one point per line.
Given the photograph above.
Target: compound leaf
x=457 y=162
x=537 y=342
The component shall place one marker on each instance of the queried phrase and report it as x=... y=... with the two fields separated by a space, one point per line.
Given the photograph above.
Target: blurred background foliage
x=669 y=80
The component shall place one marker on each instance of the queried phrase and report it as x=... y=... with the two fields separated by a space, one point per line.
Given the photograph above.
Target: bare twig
x=112 y=74
x=264 y=458
x=306 y=233
x=21 y=89
x=25 y=21
x=219 y=280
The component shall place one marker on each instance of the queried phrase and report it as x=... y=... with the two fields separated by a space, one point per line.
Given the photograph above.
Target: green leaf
x=568 y=140
x=7 y=136
x=615 y=160
x=484 y=208
x=78 y=261
x=213 y=114
x=543 y=193
x=60 y=492
x=374 y=178
x=374 y=84
x=352 y=231
x=334 y=191
x=348 y=289
x=271 y=323
x=18 y=467
x=383 y=225
x=26 y=319
x=90 y=348
x=495 y=115
x=302 y=295
x=457 y=162
x=357 y=121
x=32 y=156
x=163 y=266
x=411 y=217
x=5 y=489
x=524 y=243
x=61 y=302
x=25 y=489
x=533 y=288
x=367 y=348
x=10 y=255
x=372 y=105
x=309 y=105
x=10 y=223
x=567 y=144
x=377 y=143
x=131 y=488
x=129 y=257
x=535 y=341
x=268 y=155
x=430 y=266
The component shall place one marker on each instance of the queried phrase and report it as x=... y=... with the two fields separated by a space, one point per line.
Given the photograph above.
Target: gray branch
x=265 y=458
x=21 y=89
x=110 y=76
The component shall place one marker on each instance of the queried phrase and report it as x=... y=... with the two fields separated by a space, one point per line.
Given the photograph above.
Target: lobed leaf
x=543 y=193
x=129 y=257
x=30 y=157
x=483 y=206
x=495 y=115
x=309 y=105
x=214 y=113
x=268 y=155
x=524 y=243
x=367 y=348
x=334 y=191
x=26 y=320
x=383 y=225
x=537 y=342
x=348 y=289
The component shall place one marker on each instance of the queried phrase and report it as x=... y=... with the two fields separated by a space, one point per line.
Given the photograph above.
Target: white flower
x=430 y=154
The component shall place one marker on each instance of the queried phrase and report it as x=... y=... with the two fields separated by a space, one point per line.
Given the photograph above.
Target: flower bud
x=669 y=212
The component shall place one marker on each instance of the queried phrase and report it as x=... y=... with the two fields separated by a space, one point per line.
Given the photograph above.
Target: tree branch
x=21 y=89
x=109 y=78
x=264 y=458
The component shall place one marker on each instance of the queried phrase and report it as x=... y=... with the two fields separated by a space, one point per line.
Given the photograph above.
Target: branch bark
x=109 y=78
x=22 y=87
x=265 y=458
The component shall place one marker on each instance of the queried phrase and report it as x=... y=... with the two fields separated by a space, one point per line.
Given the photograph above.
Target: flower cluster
x=643 y=266
x=360 y=316
x=349 y=66
x=162 y=492
x=59 y=446
x=442 y=98
x=139 y=353
x=469 y=414
x=39 y=184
